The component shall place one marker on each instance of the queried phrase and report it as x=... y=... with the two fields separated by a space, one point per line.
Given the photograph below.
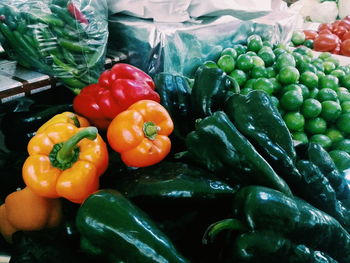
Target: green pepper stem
x=227 y=224
x=66 y=153
x=150 y=130
x=234 y=84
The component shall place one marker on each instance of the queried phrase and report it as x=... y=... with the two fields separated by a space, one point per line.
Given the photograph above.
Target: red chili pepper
x=116 y=90
x=76 y=13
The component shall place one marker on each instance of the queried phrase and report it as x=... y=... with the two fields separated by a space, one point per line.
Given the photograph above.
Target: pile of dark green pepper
x=235 y=188
x=59 y=41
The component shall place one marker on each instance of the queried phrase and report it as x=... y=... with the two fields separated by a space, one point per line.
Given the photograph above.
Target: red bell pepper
x=116 y=90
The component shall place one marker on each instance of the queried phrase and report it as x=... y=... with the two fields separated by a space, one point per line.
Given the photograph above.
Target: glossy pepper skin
x=316 y=189
x=111 y=226
x=269 y=246
x=116 y=90
x=257 y=118
x=261 y=209
x=19 y=127
x=140 y=133
x=220 y=147
x=65 y=161
x=210 y=89
x=320 y=157
x=175 y=96
x=170 y=181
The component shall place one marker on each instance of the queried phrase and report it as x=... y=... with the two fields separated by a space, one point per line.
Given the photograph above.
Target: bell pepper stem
x=227 y=224
x=150 y=130
x=63 y=155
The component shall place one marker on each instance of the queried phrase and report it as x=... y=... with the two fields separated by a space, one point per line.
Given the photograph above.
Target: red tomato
x=345 y=23
x=340 y=30
x=345 y=48
x=335 y=24
x=346 y=36
x=325 y=26
x=310 y=34
x=336 y=50
x=325 y=31
x=326 y=42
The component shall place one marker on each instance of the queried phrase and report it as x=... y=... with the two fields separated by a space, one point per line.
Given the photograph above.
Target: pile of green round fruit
x=312 y=94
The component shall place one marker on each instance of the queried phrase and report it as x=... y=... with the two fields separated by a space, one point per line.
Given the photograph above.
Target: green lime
x=254 y=43
x=309 y=79
x=210 y=64
x=288 y=75
x=249 y=84
x=226 y=63
x=328 y=67
x=343 y=145
x=244 y=62
x=314 y=93
x=345 y=82
x=229 y=51
x=345 y=69
x=298 y=38
x=305 y=90
x=327 y=94
x=311 y=108
x=263 y=84
x=315 y=126
x=240 y=76
x=258 y=62
x=292 y=87
x=343 y=122
x=268 y=58
x=279 y=51
x=291 y=100
x=258 y=72
x=300 y=137
x=331 y=110
x=299 y=58
x=345 y=106
x=319 y=66
x=294 y=121
x=306 y=66
x=285 y=60
x=334 y=135
x=240 y=49
x=329 y=81
x=277 y=87
x=270 y=72
x=338 y=73
x=251 y=53
x=343 y=94
x=321 y=139
x=341 y=159
x=325 y=55
x=245 y=91
x=320 y=74
x=309 y=43
x=304 y=51
x=267 y=44
x=334 y=60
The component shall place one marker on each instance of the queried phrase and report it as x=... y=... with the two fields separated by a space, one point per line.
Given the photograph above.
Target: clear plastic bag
x=66 y=39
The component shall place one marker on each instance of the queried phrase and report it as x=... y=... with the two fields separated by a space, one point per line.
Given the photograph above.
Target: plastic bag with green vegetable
x=66 y=39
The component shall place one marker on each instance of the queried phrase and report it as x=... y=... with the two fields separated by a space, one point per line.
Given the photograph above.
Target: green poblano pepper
x=112 y=226
x=257 y=118
x=220 y=147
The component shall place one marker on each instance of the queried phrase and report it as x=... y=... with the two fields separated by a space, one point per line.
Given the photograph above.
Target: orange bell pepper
x=65 y=161
x=26 y=211
x=140 y=133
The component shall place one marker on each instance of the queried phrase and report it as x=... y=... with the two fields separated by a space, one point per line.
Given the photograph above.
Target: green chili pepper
x=75 y=46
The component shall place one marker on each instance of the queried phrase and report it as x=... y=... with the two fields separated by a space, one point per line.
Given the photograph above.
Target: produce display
x=61 y=38
x=249 y=161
